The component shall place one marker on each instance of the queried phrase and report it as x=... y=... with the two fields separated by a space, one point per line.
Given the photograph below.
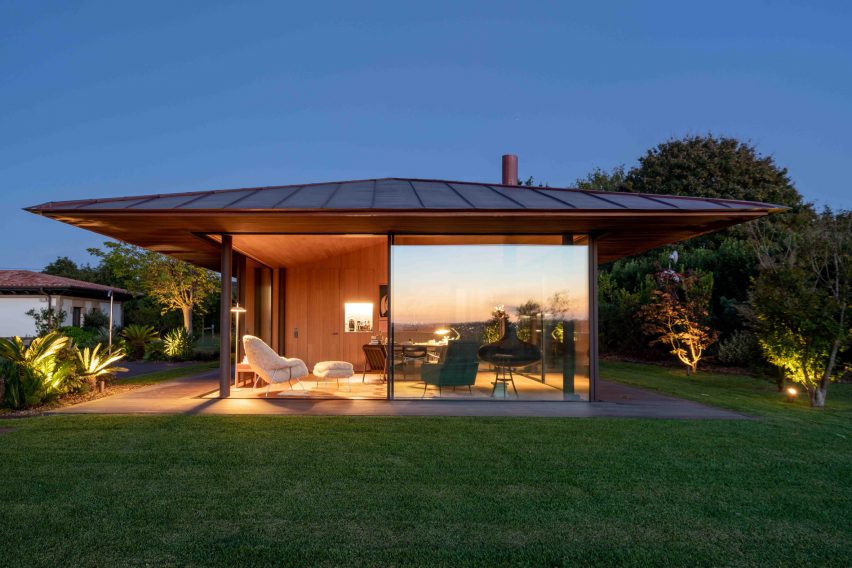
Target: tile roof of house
x=388 y=194
x=30 y=280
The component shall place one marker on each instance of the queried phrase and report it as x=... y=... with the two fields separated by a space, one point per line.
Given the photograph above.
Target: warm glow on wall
x=357 y=316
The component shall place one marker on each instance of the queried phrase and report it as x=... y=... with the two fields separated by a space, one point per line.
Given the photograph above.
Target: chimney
x=510 y=169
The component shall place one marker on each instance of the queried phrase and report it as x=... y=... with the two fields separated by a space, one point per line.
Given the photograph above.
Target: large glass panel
x=506 y=317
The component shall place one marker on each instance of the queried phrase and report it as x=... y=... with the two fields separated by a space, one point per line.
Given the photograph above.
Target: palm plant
x=177 y=344
x=93 y=364
x=137 y=337
x=37 y=373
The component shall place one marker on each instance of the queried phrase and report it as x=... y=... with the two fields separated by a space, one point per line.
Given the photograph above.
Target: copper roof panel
x=310 y=196
x=265 y=197
x=352 y=195
x=216 y=200
x=439 y=195
x=162 y=202
x=113 y=203
x=484 y=197
x=532 y=198
x=582 y=199
x=396 y=194
x=691 y=203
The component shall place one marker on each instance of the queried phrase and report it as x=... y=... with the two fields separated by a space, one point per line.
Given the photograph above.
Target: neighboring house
x=328 y=272
x=24 y=290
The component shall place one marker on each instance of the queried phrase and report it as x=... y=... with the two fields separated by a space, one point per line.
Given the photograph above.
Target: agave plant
x=137 y=337
x=37 y=373
x=93 y=364
x=177 y=344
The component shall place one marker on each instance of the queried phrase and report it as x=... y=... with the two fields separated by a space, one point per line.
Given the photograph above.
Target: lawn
x=167 y=374
x=212 y=490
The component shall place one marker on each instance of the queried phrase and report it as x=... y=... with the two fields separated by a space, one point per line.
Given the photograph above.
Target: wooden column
x=389 y=362
x=593 y=317
x=225 y=319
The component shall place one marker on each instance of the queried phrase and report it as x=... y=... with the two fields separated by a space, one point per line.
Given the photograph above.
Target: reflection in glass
x=453 y=299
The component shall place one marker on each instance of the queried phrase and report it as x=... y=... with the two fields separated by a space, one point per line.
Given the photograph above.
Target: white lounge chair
x=270 y=366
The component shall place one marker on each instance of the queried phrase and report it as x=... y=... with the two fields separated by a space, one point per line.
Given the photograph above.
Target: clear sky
x=117 y=98
x=452 y=284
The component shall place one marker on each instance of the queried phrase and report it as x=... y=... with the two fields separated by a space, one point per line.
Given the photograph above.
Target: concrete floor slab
x=187 y=396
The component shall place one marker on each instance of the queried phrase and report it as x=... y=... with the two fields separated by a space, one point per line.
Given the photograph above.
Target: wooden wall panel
x=314 y=297
x=277 y=310
x=247 y=322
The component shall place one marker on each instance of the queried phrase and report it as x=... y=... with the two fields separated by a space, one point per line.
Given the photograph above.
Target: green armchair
x=457 y=367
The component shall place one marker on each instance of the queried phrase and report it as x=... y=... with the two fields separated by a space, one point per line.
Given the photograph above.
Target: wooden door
x=324 y=324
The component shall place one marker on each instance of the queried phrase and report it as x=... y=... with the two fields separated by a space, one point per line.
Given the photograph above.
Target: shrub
x=740 y=349
x=93 y=364
x=47 y=320
x=118 y=342
x=137 y=337
x=155 y=351
x=177 y=344
x=95 y=319
x=36 y=374
x=80 y=336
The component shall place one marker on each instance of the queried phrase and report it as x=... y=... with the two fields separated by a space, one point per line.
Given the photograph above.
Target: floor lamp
x=237 y=310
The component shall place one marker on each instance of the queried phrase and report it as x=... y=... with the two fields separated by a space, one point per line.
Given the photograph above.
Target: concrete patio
x=191 y=395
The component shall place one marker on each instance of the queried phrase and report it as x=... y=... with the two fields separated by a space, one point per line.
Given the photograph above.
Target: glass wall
x=490 y=317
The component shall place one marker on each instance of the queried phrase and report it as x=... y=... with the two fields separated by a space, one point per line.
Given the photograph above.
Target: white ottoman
x=327 y=370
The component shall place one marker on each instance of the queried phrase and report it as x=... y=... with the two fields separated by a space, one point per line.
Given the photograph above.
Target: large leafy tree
x=801 y=297
x=100 y=274
x=174 y=284
x=710 y=166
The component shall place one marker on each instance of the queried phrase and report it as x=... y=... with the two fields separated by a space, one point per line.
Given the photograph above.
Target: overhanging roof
x=176 y=224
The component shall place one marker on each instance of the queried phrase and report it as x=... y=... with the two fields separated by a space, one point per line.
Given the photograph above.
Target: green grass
x=177 y=372
x=213 y=490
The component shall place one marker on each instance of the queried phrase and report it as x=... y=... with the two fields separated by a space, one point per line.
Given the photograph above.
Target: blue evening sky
x=117 y=98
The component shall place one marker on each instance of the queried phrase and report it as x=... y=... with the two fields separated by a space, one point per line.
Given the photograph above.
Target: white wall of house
x=15 y=321
x=13 y=315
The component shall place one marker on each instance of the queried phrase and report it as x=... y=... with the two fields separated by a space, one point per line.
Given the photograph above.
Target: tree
x=65 y=267
x=495 y=325
x=174 y=284
x=528 y=314
x=716 y=167
x=678 y=313
x=601 y=180
x=699 y=166
x=801 y=297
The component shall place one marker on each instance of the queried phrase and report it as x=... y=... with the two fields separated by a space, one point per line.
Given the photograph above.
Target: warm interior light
x=451 y=332
x=357 y=316
x=238 y=309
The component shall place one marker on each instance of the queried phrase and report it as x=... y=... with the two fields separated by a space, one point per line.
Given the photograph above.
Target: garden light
x=792 y=393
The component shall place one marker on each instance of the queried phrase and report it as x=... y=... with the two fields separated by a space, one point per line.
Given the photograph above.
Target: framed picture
x=383 y=300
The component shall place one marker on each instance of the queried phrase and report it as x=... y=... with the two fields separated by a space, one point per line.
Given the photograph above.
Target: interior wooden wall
x=314 y=295
x=252 y=276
